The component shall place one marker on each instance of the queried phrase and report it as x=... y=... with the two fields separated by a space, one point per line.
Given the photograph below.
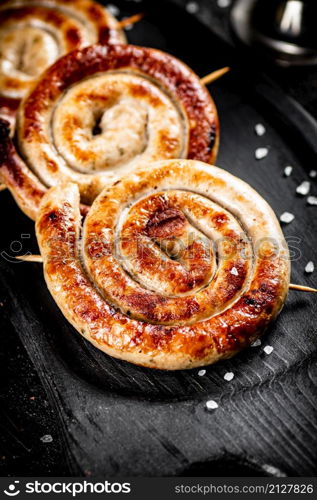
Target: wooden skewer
x=301 y=288
x=30 y=258
x=131 y=20
x=38 y=258
x=212 y=77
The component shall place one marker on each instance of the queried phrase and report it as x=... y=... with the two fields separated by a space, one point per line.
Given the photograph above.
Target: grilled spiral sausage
x=34 y=33
x=100 y=112
x=179 y=265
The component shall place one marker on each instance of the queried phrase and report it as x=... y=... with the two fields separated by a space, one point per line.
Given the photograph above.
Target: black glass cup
x=284 y=30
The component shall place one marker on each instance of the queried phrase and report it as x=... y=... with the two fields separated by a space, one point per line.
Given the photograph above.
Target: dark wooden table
x=67 y=409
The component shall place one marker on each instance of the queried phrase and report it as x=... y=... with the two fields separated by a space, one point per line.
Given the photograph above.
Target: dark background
x=28 y=411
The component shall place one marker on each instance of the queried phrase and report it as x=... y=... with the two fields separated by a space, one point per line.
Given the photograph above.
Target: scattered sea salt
x=256 y=343
x=261 y=153
x=223 y=3
x=288 y=170
x=268 y=349
x=303 y=188
x=312 y=200
x=201 y=373
x=273 y=471
x=113 y=9
x=46 y=439
x=309 y=267
x=211 y=405
x=192 y=7
x=287 y=217
x=228 y=376
x=128 y=27
x=234 y=271
x=313 y=174
x=259 y=129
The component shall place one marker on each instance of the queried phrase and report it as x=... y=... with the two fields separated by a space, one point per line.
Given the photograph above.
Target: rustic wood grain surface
x=107 y=417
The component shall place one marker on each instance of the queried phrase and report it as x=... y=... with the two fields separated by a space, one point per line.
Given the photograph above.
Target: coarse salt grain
x=192 y=7
x=313 y=174
x=273 y=471
x=46 y=439
x=228 y=376
x=312 y=200
x=268 y=349
x=288 y=170
x=223 y=3
x=309 y=267
x=259 y=129
x=303 y=188
x=113 y=9
x=287 y=217
x=128 y=27
x=256 y=343
x=234 y=271
x=201 y=373
x=261 y=153
x=211 y=405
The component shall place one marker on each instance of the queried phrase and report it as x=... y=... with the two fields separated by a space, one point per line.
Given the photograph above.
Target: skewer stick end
x=215 y=75
x=30 y=258
x=301 y=288
x=131 y=20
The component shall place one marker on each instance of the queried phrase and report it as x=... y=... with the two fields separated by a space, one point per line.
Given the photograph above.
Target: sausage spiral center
x=173 y=256
x=113 y=122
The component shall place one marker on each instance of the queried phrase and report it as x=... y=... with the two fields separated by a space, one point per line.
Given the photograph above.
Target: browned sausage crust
x=34 y=33
x=102 y=111
x=179 y=265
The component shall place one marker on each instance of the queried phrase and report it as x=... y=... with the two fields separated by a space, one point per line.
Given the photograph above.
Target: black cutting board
x=117 y=419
